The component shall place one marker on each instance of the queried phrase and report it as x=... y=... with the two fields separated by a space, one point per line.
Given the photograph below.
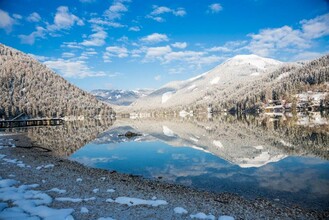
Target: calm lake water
x=282 y=158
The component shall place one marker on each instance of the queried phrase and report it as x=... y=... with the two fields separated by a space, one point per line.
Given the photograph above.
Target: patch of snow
x=255 y=74
x=260 y=160
x=215 y=80
x=218 y=144
x=253 y=60
x=45 y=166
x=79 y=180
x=167 y=131
x=283 y=75
x=29 y=204
x=201 y=149
x=258 y=147
x=105 y=218
x=225 y=217
x=84 y=210
x=166 y=96
x=184 y=113
x=154 y=198
x=59 y=191
x=180 y=210
x=202 y=215
x=136 y=201
x=194 y=139
x=191 y=87
x=102 y=178
x=110 y=190
x=19 y=163
x=95 y=190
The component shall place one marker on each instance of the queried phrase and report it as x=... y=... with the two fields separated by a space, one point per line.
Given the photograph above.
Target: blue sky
x=131 y=44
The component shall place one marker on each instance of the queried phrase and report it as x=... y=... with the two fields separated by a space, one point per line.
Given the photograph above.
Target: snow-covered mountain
x=239 y=69
x=120 y=97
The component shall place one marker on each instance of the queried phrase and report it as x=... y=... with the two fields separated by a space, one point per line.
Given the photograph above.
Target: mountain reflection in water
x=281 y=157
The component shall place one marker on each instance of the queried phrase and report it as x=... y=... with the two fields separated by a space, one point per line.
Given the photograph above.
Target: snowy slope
x=239 y=69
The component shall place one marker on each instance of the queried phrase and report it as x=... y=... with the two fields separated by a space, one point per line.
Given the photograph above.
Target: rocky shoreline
x=91 y=193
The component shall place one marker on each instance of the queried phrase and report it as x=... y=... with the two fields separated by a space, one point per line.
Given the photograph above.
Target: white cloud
x=88 y=53
x=161 y=10
x=72 y=45
x=135 y=28
x=215 y=8
x=96 y=39
x=99 y=21
x=166 y=55
x=317 y=27
x=157 y=77
x=64 y=19
x=6 y=22
x=307 y=55
x=72 y=69
x=17 y=16
x=180 y=12
x=33 y=17
x=115 y=51
x=157 y=52
x=219 y=49
x=179 y=70
x=180 y=45
x=268 y=41
x=273 y=41
x=154 y=38
x=187 y=56
x=116 y=10
x=136 y=53
x=67 y=55
x=40 y=32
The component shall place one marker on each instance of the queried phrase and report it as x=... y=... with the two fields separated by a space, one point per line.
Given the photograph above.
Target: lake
x=280 y=157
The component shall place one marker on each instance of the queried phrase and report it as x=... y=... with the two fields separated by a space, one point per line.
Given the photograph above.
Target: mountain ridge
x=118 y=96
x=236 y=69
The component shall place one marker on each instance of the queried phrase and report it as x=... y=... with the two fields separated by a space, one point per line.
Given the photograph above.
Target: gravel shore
x=94 y=193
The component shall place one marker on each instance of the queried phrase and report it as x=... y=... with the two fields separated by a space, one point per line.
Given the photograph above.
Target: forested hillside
x=282 y=84
x=26 y=86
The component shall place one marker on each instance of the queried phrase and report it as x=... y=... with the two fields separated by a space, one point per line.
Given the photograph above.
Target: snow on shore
x=28 y=203
x=135 y=201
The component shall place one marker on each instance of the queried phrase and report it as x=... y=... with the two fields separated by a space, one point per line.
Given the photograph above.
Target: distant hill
x=27 y=86
x=120 y=97
x=243 y=82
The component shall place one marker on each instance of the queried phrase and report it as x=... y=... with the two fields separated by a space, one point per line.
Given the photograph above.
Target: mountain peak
x=252 y=59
